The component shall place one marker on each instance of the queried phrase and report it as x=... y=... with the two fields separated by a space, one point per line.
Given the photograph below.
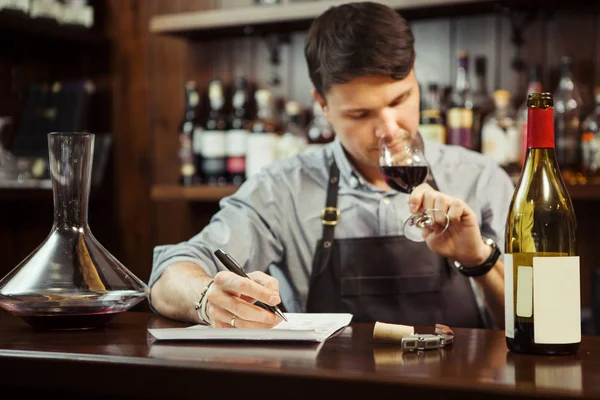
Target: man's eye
x=358 y=115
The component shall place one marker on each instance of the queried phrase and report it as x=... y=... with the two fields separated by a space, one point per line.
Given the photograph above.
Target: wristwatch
x=486 y=266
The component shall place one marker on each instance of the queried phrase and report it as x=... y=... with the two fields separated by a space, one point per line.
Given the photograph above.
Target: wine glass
x=404 y=167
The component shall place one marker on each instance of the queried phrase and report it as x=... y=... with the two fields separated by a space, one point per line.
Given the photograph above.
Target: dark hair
x=358 y=39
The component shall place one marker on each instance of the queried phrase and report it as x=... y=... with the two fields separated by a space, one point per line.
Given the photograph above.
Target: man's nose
x=387 y=123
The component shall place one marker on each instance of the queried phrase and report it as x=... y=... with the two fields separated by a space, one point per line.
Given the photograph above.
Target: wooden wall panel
x=132 y=143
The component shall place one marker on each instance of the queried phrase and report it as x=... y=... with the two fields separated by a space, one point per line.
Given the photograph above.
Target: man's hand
x=462 y=240
x=232 y=295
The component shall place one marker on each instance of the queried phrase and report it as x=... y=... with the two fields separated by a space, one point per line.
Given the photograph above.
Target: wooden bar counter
x=123 y=361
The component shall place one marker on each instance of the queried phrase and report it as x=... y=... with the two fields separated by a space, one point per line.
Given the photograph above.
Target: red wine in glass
x=404 y=178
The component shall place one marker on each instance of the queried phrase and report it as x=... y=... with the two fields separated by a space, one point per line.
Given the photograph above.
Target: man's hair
x=355 y=40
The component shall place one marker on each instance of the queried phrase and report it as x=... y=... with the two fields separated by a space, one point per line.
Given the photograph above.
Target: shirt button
x=386 y=200
x=353 y=182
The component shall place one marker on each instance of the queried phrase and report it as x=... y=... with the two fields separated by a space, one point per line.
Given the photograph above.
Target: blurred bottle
x=500 y=136
x=210 y=140
x=483 y=104
x=567 y=106
x=319 y=131
x=590 y=140
x=460 y=114
x=534 y=86
x=237 y=135
x=293 y=140
x=432 y=124
x=262 y=141
x=187 y=172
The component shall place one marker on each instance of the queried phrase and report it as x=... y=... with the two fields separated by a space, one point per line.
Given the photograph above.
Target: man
x=361 y=61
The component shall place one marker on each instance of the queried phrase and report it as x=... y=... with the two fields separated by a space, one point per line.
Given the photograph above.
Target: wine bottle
x=542 y=287
x=237 y=136
x=187 y=174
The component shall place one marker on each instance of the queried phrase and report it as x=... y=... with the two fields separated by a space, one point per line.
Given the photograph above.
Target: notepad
x=308 y=327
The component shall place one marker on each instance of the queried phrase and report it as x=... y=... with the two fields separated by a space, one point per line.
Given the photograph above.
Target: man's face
x=367 y=107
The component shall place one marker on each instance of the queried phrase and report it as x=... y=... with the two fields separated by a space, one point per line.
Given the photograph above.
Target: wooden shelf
x=191 y=193
x=290 y=16
x=215 y=193
x=44 y=29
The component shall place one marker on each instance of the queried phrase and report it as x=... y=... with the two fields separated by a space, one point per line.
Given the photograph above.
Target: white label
x=524 y=291
x=509 y=307
x=556 y=300
x=196 y=140
x=213 y=144
x=513 y=141
x=433 y=132
x=493 y=142
x=237 y=142
x=22 y=5
x=261 y=152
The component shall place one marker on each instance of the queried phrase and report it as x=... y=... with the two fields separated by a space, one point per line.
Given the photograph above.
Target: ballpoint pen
x=234 y=267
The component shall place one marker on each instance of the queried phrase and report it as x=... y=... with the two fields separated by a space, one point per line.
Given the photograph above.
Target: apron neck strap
x=330 y=214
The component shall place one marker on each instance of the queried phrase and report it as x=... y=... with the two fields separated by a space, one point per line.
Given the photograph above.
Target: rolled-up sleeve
x=248 y=227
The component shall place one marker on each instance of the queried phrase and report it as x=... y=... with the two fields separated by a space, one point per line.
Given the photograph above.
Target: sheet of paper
x=299 y=327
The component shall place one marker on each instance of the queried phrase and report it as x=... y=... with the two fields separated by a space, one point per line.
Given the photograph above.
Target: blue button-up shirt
x=273 y=222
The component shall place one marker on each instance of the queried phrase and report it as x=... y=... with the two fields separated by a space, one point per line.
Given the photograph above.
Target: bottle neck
x=71 y=158
x=462 y=76
x=481 y=83
x=540 y=128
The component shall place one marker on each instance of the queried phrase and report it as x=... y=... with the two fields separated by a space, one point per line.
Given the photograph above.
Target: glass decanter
x=70 y=281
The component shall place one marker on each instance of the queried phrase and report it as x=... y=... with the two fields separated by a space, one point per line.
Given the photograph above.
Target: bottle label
x=460 y=127
x=213 y=144
x=540 y=128
x=237 y=142
x=509 y=306
x=556 y=300
x=433 y=132
x=261 y=152
x=524 y=292
x=513 y=141
x=494 y=143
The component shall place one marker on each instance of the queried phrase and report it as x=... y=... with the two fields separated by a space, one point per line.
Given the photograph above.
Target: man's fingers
x=243 y=309
x=417 y=196
x=222 y=318
x=238 y=285
x=265 y=280
x=456 y=210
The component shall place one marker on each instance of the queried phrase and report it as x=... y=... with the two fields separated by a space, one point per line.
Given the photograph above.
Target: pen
x=234 y=267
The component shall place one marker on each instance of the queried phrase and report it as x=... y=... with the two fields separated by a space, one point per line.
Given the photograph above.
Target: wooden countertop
x=123 y=361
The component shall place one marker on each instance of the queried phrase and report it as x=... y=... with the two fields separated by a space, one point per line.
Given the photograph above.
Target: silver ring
x=232 y=322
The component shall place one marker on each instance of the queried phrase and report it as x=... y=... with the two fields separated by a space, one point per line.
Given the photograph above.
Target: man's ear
x=319 y=99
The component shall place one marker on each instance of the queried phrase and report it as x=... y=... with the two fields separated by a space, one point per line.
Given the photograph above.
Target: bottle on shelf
x=483 y=104
x=210 y=140
x=187 y=174
x=460 y=113
x=432 y=125
x=319 y=131
x=534 y=86
x=567 y=116
x=590 y=140
x=542 y=282
x=237 y=135
x=500 y=136
x=293 y=140
x=265 y=131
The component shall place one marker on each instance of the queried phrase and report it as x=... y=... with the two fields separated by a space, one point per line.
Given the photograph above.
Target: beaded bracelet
x=200 y=305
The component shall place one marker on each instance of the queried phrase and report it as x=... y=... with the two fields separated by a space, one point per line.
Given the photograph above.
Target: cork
x=392 y=332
